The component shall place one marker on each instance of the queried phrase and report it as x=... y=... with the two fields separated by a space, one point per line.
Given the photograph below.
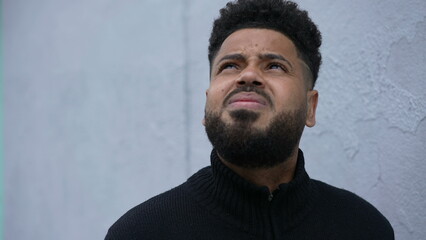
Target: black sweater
x=216 y=203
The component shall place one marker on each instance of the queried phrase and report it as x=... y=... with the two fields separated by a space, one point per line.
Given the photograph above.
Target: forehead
x=257 y=40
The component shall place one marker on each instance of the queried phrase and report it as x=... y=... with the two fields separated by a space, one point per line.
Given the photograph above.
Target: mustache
x=249 y=89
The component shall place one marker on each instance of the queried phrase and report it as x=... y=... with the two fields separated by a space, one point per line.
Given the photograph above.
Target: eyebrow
x=269 y=56
x=235 y=56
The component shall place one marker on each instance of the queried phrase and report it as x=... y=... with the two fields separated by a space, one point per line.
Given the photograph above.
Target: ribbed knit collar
x=247 y=206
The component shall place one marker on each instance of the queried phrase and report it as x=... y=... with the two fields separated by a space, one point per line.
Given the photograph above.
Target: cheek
x=289 y=98
x=217 y=93
x=215 y=98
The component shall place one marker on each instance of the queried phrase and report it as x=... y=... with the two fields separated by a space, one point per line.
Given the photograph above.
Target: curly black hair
x=279 y=15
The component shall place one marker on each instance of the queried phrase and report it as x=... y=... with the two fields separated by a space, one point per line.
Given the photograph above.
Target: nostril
x=241 y=82
x=257 y=83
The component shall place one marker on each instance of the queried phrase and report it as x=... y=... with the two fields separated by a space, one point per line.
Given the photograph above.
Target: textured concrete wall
x=103 y=104
x=95 y=114
x=371 y=132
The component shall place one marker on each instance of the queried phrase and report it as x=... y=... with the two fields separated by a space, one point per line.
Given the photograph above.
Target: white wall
x=103 y=104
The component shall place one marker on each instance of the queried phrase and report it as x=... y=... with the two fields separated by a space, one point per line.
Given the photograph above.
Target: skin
x=268 y=60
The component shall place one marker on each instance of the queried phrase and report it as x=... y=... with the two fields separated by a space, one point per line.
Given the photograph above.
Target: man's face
x=257 y=78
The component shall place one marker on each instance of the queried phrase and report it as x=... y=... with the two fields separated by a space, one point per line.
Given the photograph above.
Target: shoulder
x=341 y=198
x=147 y=217
x=162 y=216
x=353 y=211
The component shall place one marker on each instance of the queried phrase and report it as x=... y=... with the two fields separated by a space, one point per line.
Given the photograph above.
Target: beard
x=243 y=145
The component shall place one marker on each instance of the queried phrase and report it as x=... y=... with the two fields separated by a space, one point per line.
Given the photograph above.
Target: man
x=264 y=61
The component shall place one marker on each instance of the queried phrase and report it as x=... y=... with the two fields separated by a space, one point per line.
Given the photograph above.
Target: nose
x=250 y=76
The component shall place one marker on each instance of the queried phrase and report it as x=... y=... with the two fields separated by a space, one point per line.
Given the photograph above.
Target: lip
x=247 y=100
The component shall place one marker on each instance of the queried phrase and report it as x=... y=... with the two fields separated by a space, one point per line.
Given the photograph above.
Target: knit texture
x=216 y=203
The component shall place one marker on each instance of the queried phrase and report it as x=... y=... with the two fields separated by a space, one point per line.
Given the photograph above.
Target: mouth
x=247 y=100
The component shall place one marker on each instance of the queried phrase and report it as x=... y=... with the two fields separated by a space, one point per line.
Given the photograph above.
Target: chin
x=244 y=144
x=244 y=116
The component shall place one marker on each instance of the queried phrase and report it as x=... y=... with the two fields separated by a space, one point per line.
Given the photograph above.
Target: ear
x=312 y=107
x=204 y=119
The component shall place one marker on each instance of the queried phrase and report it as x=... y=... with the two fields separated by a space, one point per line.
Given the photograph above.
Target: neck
x=270 y=177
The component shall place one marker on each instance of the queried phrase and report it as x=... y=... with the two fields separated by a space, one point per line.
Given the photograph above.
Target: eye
x=227 y=66
x=277 y=66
